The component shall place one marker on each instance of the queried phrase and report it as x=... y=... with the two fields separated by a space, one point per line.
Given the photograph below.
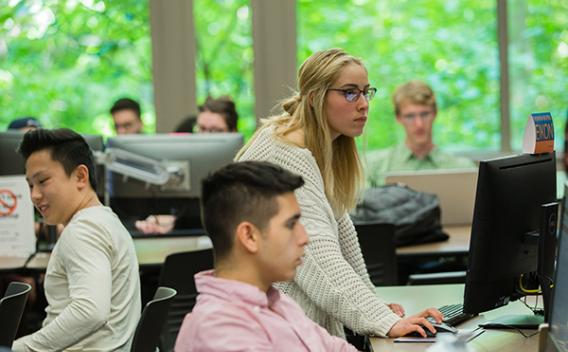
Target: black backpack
x=416 y=215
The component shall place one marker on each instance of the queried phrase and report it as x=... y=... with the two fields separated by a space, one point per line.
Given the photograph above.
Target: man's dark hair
x=243 y=191
x=126 y=104
x=223 y=106
x=66 y=146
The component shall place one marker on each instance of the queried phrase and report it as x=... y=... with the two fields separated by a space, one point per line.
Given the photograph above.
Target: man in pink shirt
x=252 y=216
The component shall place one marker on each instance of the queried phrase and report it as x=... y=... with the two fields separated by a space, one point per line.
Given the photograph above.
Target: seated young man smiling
x=252 y=216
x=91 y=283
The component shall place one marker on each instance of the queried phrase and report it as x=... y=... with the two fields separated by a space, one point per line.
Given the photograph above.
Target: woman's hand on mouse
x=416 y=323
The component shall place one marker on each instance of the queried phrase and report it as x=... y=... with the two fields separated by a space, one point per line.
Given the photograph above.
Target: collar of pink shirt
x=207 y=283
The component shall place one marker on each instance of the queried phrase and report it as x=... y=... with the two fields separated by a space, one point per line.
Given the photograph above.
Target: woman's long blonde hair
x=337 y=160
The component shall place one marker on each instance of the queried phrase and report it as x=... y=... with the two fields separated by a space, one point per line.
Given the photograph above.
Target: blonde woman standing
x=315 y=138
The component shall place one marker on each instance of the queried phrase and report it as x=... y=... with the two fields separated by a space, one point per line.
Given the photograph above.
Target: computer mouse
x=441 y=327
x=417 y=334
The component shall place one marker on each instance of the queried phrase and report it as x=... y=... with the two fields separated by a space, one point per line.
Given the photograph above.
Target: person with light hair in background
x=415 y=109
x=315 y=138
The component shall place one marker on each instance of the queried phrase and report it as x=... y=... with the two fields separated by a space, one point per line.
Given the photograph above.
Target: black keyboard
x=454 y=315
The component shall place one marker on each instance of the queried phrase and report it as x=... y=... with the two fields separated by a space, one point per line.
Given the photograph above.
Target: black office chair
x=147 y=334
x=177 y=273
x=379 y=251
x=11 y=309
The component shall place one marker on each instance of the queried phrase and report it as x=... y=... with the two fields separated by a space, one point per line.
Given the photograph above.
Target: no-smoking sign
x=8 y=202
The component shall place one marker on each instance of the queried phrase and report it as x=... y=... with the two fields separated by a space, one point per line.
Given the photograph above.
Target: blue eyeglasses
x=353 y=94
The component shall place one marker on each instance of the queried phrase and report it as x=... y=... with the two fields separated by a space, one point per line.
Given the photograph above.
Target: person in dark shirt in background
x=127 y=116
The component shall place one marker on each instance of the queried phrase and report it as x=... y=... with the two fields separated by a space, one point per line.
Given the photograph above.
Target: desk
x=457 y=244
x=12 y=263
x=150 y=251
x=153 y=251
x=416 y=298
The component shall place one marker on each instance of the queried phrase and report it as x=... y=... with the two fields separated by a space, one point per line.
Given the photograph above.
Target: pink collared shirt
x=234 y=316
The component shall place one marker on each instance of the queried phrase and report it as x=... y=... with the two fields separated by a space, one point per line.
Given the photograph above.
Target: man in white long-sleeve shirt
x=91 y=283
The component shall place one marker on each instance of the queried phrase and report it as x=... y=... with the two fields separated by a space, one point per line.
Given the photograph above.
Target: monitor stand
x=528 y=321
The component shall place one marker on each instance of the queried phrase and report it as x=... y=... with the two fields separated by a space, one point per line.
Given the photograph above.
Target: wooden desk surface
x=416 y=298
x=150 y=251
x=153 y=251
x=12 y=263
x=458 y=243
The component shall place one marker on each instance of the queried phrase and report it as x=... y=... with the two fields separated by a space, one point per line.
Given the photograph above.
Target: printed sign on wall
x=17 y=237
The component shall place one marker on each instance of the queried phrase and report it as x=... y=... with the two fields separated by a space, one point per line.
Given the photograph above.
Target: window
x=538 y=59
x=225 y=55
x=65 y=62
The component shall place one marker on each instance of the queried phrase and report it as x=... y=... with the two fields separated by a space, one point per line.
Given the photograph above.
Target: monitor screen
x=505 y=231
x=12 y=163
x=558 y=333
x=196 y=154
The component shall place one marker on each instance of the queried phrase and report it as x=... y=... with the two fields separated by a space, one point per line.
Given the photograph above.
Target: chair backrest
x=379 y=251
x=147 y=334
x=177 y=273
x=11 y=309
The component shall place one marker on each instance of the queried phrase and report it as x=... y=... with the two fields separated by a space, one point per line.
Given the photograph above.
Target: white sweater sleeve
x=86 y=258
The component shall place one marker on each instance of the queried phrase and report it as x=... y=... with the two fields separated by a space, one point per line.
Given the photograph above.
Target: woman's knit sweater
x=332 y=285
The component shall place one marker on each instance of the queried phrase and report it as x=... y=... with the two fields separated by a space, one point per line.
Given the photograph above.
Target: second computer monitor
x=506 y=224
x=200 y=154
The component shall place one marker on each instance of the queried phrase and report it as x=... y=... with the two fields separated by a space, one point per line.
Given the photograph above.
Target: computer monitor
x=198 y=154
x=557 y=338
x=12 y=163
x=508 y=224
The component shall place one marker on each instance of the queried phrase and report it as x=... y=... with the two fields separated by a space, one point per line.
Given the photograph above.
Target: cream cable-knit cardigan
x=332 y=285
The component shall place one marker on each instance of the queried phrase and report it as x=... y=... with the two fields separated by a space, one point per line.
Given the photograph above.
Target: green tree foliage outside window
x=225 y=55
x=538 y=59
x=65 y=62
